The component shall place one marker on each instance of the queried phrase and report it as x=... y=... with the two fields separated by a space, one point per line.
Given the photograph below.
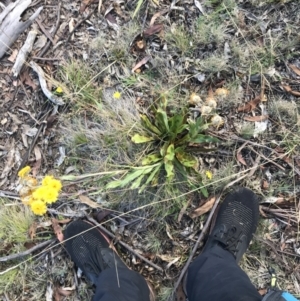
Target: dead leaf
x=57 y=229
x=199 y=6
x=155 y=16
x=86 y=200
x=141 y=63
x=240 y=158
x=102 y=214
x=13 y=56
x=288 y=89
x=85 y=4
x=10 y=162
x=32 y=230
x=38 y=161
x=26 y=79
x=249 y=106
x=256 y=118
x=168 y=232
x=153 y=30
x=265 y=184
x=204 y=208
x=295 y=69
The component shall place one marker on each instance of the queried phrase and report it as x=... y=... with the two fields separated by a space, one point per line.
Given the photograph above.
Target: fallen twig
x=27 y=154
x=27 y=252
x=54 y=31
x=124 y=244
x=24 y=51
x=78 y=24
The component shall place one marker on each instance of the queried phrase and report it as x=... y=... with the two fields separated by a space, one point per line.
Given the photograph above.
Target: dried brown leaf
x=32 y=230
x=13 y=56
x=85 y=4
x=288 y=89
x=153 y=30
x=86 y=200
x=57 y=229
x=204 y=208
x=240 y=158
x=295 y=69
x=249 y=106
x=158 y=14
x=256 y=118
x=141 y=63
x=26 y=79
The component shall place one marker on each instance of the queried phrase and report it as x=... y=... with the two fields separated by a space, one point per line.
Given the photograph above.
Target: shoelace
x=230 y=239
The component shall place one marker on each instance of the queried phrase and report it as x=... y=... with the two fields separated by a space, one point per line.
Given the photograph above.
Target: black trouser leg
x=121 y=285
x=215 y=276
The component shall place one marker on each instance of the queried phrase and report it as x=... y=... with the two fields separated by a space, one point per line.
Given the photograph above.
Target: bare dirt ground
x=110 y=62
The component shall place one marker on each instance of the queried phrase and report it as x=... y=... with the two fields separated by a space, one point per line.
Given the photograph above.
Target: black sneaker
x=90 y=250
x=236 y=223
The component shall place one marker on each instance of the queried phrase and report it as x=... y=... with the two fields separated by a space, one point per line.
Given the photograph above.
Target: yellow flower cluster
x=38 y=196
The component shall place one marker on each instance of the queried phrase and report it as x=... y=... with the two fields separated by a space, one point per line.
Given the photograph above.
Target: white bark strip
x=10 y=26
x=55 y=99
x=24 y=51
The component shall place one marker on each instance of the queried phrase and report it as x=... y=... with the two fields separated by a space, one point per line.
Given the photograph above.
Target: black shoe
x=236 y=223
x=90 y=250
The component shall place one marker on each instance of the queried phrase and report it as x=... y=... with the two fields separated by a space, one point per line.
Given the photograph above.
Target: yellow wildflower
x=50 y=195
x=24 y=171
x=209 y=174
x=47 y=180
x=117 y=95
x=59 y=90
x=50 y=182
x=38 y=207
x=39 y=193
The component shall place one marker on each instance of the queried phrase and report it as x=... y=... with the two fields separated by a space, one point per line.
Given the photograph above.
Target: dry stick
x=124 y=244
x=45 y=58
x=205 y=228
x=27 y=155
x=54 y=32
x=297 y=171
x=271 y=161
x=78 y=24
x=27 y=252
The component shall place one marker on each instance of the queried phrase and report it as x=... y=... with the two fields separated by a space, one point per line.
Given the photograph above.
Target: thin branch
x=27 y=252
x=124 y=244
x=78 y=24
x=54 y=31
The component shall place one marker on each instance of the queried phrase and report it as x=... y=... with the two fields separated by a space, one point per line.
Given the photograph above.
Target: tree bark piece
x=24 y=51
x=55 y=99
x=10 y=26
